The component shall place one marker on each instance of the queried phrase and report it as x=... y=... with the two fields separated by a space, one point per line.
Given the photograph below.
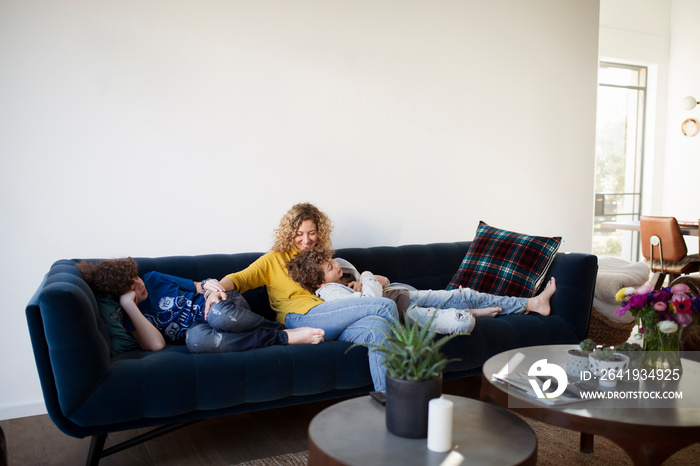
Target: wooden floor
x=219 y=441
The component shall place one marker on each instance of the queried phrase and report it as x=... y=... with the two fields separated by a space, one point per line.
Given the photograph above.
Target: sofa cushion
x=505 y=263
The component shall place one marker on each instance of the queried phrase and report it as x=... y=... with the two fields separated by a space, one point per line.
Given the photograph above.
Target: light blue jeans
x=446 y=310
x=466 y=298
x=354 y=320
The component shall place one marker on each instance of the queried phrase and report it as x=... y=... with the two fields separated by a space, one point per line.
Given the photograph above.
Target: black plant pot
x=407 y=405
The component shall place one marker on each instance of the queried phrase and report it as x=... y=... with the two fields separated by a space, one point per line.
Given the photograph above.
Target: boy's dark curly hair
x=305 y=267
x=112 y=277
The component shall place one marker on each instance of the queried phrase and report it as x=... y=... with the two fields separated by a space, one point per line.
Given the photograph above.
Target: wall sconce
x=689 y=103
x=690 y=126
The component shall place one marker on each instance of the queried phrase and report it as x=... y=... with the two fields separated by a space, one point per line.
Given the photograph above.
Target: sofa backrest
x=424 y=266
x=217 y=266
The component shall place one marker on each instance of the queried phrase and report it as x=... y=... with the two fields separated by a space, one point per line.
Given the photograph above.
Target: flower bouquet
x=660 y=315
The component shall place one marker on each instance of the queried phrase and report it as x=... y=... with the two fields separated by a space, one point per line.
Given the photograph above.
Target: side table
x=354 y=432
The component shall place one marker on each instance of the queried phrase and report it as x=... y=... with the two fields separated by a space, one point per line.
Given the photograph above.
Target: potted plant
x=661 y=315
x=635 y=352
x=608 y=365
x=414 y=366
x=577 y=359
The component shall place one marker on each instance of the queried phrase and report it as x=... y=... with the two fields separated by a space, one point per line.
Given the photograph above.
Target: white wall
x=682 y=174
x=157 y=128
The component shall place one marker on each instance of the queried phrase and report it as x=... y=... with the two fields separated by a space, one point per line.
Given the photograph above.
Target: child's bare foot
x=486 y=311
x=540 y=303
x=300 y=335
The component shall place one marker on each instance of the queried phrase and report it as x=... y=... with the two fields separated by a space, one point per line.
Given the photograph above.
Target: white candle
x=440 y=425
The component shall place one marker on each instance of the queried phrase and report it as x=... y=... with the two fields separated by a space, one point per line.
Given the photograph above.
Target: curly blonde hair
x=292 y=220
x=111 y=278
x=306 y=267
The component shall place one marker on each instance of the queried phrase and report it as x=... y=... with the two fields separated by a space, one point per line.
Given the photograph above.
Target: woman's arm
x=148 y=336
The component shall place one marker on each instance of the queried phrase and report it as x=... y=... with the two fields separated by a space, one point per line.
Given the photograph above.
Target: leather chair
x=664 y=249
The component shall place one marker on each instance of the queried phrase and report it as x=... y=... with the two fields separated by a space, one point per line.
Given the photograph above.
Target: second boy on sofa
x=317 y=271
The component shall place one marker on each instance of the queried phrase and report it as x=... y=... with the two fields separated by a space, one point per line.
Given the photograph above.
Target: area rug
x=291 y=459
x=556 y=446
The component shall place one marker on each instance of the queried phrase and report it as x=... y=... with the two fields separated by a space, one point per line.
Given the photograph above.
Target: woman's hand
x=213 y=298
x=210 y=284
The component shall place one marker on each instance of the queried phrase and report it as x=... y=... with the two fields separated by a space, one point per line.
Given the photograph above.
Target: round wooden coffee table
x=354 y=432
x=649 y=430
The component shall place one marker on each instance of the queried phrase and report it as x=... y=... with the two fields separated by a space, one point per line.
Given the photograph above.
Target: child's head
x=112 y=277
x=313 y=267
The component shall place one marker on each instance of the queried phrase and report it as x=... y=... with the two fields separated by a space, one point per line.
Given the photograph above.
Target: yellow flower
x=623 y=293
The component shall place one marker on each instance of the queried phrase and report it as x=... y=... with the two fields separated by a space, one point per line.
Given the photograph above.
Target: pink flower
x=661 y=296
x=660 y=306
x=684 y=319
x=682 y=303
x=638 y=301
x=644 y=289
x=620 y=312
x=680 y=288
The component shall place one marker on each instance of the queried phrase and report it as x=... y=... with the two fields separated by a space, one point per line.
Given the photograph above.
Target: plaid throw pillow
x=505 y=263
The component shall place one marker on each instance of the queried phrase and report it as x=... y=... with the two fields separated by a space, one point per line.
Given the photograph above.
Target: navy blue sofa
x=89 y=393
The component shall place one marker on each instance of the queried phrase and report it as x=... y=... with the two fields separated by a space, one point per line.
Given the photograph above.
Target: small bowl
x=577 y=363
x=612 y=371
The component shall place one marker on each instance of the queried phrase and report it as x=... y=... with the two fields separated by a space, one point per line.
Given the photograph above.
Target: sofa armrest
x=64 y=314
x=576 y=275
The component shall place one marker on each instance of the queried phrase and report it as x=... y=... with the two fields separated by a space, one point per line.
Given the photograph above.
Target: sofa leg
x=97 y=450
x=96 y=446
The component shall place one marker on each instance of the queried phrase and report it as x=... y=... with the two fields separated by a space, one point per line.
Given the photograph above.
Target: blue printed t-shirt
x=173 y=304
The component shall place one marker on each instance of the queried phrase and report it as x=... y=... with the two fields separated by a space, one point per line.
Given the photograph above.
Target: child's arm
x=371 y=286
x=358 y=285
x=148 y=336
x=382 y=280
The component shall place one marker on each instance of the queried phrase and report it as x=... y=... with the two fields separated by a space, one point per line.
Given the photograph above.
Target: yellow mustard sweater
x=285 y=294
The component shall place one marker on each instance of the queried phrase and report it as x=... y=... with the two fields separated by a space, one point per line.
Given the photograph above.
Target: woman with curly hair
x=160 y=307
x=358 y=321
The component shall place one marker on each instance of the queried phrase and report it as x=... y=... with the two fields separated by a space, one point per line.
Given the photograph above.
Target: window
x=619 y=156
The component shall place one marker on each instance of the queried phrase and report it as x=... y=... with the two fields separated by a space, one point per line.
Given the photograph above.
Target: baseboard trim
x=22 y=410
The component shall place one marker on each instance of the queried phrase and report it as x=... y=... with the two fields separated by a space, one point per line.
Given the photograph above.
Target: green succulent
x=625 y=347
x=587 y=346
x=605 y=354
x=411 y=352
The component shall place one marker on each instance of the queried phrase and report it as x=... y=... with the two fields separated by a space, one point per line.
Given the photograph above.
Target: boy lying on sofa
x=317 y=271
x=161 y=306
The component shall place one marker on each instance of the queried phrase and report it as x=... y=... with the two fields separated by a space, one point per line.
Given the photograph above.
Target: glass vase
x=661 y=350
